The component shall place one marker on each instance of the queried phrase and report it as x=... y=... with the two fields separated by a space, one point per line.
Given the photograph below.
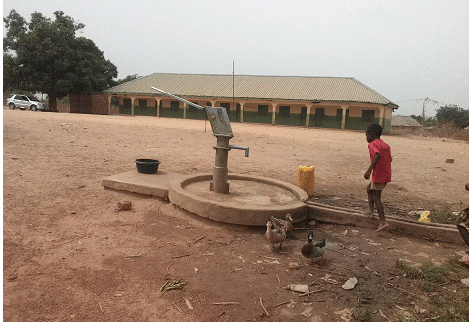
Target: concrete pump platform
x=146 y=184
x=251 y=201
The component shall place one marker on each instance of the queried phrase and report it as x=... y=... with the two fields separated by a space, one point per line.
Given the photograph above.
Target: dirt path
x=70 y=256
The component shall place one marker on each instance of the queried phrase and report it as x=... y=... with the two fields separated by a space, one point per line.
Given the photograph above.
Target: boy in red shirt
x=380 y=156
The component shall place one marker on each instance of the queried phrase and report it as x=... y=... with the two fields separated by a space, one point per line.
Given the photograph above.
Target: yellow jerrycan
x=305 y=179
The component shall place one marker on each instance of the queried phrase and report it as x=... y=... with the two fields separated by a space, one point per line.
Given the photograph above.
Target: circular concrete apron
x=251 y=201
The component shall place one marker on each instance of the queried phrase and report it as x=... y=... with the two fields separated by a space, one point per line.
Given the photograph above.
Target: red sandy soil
x=70 y=255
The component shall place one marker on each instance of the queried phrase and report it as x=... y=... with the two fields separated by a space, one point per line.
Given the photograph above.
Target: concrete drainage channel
x=345 y=216
x=252 y=200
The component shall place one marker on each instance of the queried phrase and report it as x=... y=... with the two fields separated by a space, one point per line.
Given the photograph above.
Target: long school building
x=331 y=102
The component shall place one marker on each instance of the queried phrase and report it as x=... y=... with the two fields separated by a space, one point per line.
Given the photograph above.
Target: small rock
x=307 y=312
x=465 y=281
x=189 y=305
x=345 y=314
x=302 y=288
x=12 y=277
x=419 y=310
x=125 y=205
x=350 y=284
x=294 y=265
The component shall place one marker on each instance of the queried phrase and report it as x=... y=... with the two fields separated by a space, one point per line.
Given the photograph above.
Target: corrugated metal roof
x=400 y=120
x=343 y=89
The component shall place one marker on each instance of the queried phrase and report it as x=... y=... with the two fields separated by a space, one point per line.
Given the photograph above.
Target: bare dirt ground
x=68 y=255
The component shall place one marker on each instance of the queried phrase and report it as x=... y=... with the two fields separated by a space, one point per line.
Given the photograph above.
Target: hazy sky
x=404 y=50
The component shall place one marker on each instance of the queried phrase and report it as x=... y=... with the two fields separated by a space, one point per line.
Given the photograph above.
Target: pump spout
x=246 y=149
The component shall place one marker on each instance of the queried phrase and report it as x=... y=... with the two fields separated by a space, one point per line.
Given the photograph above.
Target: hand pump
x=221 y=128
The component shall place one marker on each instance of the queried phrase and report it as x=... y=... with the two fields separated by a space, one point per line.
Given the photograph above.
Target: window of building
x=368 y=116
x=115 y=100
x=193 y=109
x=174 y=106
x=263 y=110
x=127 y=103
x=284 y=111
x=226 y=106
x=340 y=112
x=142 y=103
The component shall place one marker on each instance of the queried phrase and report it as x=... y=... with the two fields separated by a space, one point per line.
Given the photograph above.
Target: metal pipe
x=220 y=171
x=246 y=149
x=178 y=98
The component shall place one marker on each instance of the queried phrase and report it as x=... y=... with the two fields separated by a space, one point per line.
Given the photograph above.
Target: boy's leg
x=371 y=203
x=375 y=192
x=376 y=196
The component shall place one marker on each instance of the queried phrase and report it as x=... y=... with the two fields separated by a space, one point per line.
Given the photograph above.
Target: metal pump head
x=217 y=116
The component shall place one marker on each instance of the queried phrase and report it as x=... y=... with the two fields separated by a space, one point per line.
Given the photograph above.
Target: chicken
x=276 y=236
x=313 y=249
x=278 y=223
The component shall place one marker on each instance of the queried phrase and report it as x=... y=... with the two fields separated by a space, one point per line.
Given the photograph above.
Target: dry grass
x=449 y=131
x=443 y=214
x=448 y=299
x=362 y=314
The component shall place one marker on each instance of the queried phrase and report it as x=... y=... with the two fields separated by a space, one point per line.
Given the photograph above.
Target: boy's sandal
x=370 y=215
x=382 y=227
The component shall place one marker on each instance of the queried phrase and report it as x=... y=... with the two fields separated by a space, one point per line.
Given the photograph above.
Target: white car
x=25 y=102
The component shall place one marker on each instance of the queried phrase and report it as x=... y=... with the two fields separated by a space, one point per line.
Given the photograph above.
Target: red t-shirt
x=382 y=169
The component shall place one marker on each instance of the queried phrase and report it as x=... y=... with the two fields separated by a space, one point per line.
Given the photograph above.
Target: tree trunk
x=53 y=102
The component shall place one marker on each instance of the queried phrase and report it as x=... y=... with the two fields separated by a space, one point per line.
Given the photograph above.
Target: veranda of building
x=330 y=102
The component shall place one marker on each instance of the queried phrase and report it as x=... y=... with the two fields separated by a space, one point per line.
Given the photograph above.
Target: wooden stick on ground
x=180 y=256
x=195 y=241
x=268 y=257
x=283 y=303
x=317 y=291
x=264 y=307
x=176 y=306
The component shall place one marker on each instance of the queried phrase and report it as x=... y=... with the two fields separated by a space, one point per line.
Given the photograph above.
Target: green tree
x=429 y=121
x=128 y=78
x=453 y=114
x=46 y=56
x=418 y=118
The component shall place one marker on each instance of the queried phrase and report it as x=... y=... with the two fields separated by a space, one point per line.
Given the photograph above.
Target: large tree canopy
x=46 y=56
x=454 y=114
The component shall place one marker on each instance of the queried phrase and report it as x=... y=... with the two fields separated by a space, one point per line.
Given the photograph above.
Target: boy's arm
x=376 y=158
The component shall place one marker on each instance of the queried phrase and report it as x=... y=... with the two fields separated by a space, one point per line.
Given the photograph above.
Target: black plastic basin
x=147 y=166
